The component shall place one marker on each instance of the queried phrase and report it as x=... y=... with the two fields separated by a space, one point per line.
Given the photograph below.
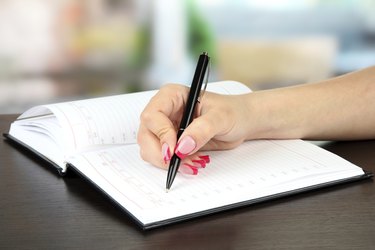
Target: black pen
x=187 y=117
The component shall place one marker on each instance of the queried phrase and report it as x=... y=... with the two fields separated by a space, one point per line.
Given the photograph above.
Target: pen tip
x=167 y=190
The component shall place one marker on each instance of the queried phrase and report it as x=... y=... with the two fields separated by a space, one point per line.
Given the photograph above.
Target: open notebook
x=97 y=138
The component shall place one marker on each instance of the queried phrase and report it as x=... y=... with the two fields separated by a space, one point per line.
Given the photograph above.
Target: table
x=41 y=210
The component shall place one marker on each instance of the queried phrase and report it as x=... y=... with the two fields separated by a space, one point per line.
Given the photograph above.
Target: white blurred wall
x=57 y=50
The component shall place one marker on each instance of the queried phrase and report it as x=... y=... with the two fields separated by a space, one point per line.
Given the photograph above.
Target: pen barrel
x=188 y=115
x=179 y=133
x=195 y=89
x=172 y=171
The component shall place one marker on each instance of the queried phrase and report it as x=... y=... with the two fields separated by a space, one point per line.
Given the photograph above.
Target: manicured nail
x=188 y=169
x=185 y=146
x=199 y=163
x=206 y=158
x=166 y=152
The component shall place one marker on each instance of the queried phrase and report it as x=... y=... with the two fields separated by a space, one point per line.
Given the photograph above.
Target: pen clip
x=203 y=90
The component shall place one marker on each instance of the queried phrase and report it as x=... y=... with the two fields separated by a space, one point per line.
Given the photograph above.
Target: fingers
x=158 y=124
x=157 y=135
x=162 y=128
x=192 y=166
x=150 y=147
x=150 y=152
x=199 y=133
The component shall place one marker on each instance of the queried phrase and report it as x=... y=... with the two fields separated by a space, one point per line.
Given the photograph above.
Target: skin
x=341 y=108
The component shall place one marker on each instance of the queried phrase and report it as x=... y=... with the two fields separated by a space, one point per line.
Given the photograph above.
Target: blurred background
x=59 y=50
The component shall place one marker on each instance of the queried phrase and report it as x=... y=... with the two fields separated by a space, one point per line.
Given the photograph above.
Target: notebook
x=97 y=139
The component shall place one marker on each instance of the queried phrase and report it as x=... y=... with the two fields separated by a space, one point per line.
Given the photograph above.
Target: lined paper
x=101 y=121
x=253 y=170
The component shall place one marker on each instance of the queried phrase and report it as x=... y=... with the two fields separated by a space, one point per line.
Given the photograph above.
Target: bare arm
x=339 y=108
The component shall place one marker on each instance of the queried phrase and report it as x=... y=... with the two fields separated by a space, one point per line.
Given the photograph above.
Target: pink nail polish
x=201 y=163
x=188 y=169
x=185 y=146
x=206 y=158
x=166 y=152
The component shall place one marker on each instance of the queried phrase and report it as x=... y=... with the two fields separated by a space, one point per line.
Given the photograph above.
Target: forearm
x=338 y=108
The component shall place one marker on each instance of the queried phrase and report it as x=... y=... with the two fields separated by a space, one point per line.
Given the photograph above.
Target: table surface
x=41 y=210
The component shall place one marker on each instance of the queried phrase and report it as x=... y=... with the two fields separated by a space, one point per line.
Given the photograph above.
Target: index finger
x=163 y=113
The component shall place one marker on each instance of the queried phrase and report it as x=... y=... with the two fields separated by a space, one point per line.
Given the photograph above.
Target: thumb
x=197 y=134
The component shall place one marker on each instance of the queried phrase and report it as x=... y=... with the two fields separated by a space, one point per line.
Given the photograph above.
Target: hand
x=221 y=123
x=319 y=111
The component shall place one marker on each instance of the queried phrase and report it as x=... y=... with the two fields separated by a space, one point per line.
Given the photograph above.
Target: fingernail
x=200 y=163
x=185 y=146
x=166 y=152
x=188 y=169
x=206 y=158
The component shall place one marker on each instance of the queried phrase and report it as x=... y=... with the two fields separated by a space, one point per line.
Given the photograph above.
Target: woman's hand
x=221 y=122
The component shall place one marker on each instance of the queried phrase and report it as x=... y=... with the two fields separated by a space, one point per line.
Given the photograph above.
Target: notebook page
x=255 y=169
x=41 y=133
x=101 y=121
x=114 y=119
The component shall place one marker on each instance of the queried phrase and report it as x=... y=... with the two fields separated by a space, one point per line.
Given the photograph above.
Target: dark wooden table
x=41 y=210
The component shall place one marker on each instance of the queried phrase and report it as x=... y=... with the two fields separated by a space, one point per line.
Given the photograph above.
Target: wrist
x=266 y=117
x=254 y=118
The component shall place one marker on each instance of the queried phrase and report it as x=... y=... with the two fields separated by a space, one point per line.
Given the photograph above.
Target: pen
x=187 y=117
